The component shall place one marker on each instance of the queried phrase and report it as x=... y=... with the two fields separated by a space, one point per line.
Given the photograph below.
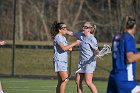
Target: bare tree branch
x=92 y=21
x=42 y=18
x=59 y=10
x=78 y=13
x=20 y=2
x=94 y=10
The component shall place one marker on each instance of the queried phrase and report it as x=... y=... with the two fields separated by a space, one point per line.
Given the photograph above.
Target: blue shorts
x=115 y=86
x=87 y=68
x=60 y=66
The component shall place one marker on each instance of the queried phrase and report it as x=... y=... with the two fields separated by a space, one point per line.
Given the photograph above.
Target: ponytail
x=93 y=29
x=128 y=22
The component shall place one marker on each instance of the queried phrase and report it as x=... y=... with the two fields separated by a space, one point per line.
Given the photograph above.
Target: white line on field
x=16 y=81
x=18 y=87
x=29 y=89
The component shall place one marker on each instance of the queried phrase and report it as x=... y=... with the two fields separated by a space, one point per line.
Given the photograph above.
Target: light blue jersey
x=60 y=59
x=59 y=54
x=87 y=55
x=122 y=76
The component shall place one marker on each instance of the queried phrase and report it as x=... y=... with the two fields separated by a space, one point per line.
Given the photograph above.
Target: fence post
x=13 y=46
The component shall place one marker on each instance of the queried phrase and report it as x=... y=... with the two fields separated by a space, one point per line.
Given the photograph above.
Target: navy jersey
x=121 y=45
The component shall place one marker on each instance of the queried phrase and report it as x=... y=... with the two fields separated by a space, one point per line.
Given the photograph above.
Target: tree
x=21 y=35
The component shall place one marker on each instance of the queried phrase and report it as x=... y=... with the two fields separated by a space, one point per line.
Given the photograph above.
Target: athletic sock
x=1 y=91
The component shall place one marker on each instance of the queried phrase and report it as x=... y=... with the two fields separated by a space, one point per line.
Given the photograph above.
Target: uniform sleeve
x=93 y=43
x=59 y=40
x=130 y=45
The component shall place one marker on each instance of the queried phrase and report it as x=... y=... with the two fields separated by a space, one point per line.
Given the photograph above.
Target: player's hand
x=97 y=57
x=2 y=42
x=78 y=42
x=70 y=49
x=69 y=33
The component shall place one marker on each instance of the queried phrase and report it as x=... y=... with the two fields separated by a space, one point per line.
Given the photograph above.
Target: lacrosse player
x=60 y=59
x=124 y=57
x=1 y=43
x=1 y=90
x=87 y=61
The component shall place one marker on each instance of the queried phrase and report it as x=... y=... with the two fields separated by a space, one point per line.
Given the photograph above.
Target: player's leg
x=64 y=81
x=1 y=90
x=59 y=83
x=88 y=80
x=56 y=67
x=61 y=69
x=111 y=87
x=79 y=79
x=136 y=89
x=128 y=87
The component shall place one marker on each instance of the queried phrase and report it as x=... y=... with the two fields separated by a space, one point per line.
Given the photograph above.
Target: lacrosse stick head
x=105 y=50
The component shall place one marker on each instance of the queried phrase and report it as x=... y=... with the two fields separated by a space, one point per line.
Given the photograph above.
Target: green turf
x=39 y=62
x=30 y=42
x=14 y=85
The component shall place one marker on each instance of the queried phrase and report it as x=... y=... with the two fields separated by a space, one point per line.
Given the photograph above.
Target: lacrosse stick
x=104 y=51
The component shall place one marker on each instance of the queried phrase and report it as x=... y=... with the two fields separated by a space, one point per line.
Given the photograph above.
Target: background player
x=124 y=57
x=1 y=43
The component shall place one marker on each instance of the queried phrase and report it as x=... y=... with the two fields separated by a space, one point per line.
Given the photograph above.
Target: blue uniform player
x=124 y=57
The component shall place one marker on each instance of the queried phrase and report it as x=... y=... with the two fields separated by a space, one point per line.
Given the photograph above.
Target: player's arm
x=131 y=57
x=65 y=48
x=77 y=35
x=2 y=42
x=70 y=33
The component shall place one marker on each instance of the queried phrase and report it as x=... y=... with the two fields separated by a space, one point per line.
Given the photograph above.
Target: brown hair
x=55 y=28
x=128 y=22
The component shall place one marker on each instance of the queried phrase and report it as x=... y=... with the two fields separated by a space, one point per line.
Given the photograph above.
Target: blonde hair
x=93 y=28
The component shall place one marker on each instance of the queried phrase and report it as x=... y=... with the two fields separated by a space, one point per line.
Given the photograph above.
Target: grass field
x=39 y=62
x=16 y=85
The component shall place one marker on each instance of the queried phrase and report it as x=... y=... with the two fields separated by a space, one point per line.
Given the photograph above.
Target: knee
x=77 y=82
x=65 y=81
x=88 y=82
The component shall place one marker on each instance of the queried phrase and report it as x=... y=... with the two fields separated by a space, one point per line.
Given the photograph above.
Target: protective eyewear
x=86 y=27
